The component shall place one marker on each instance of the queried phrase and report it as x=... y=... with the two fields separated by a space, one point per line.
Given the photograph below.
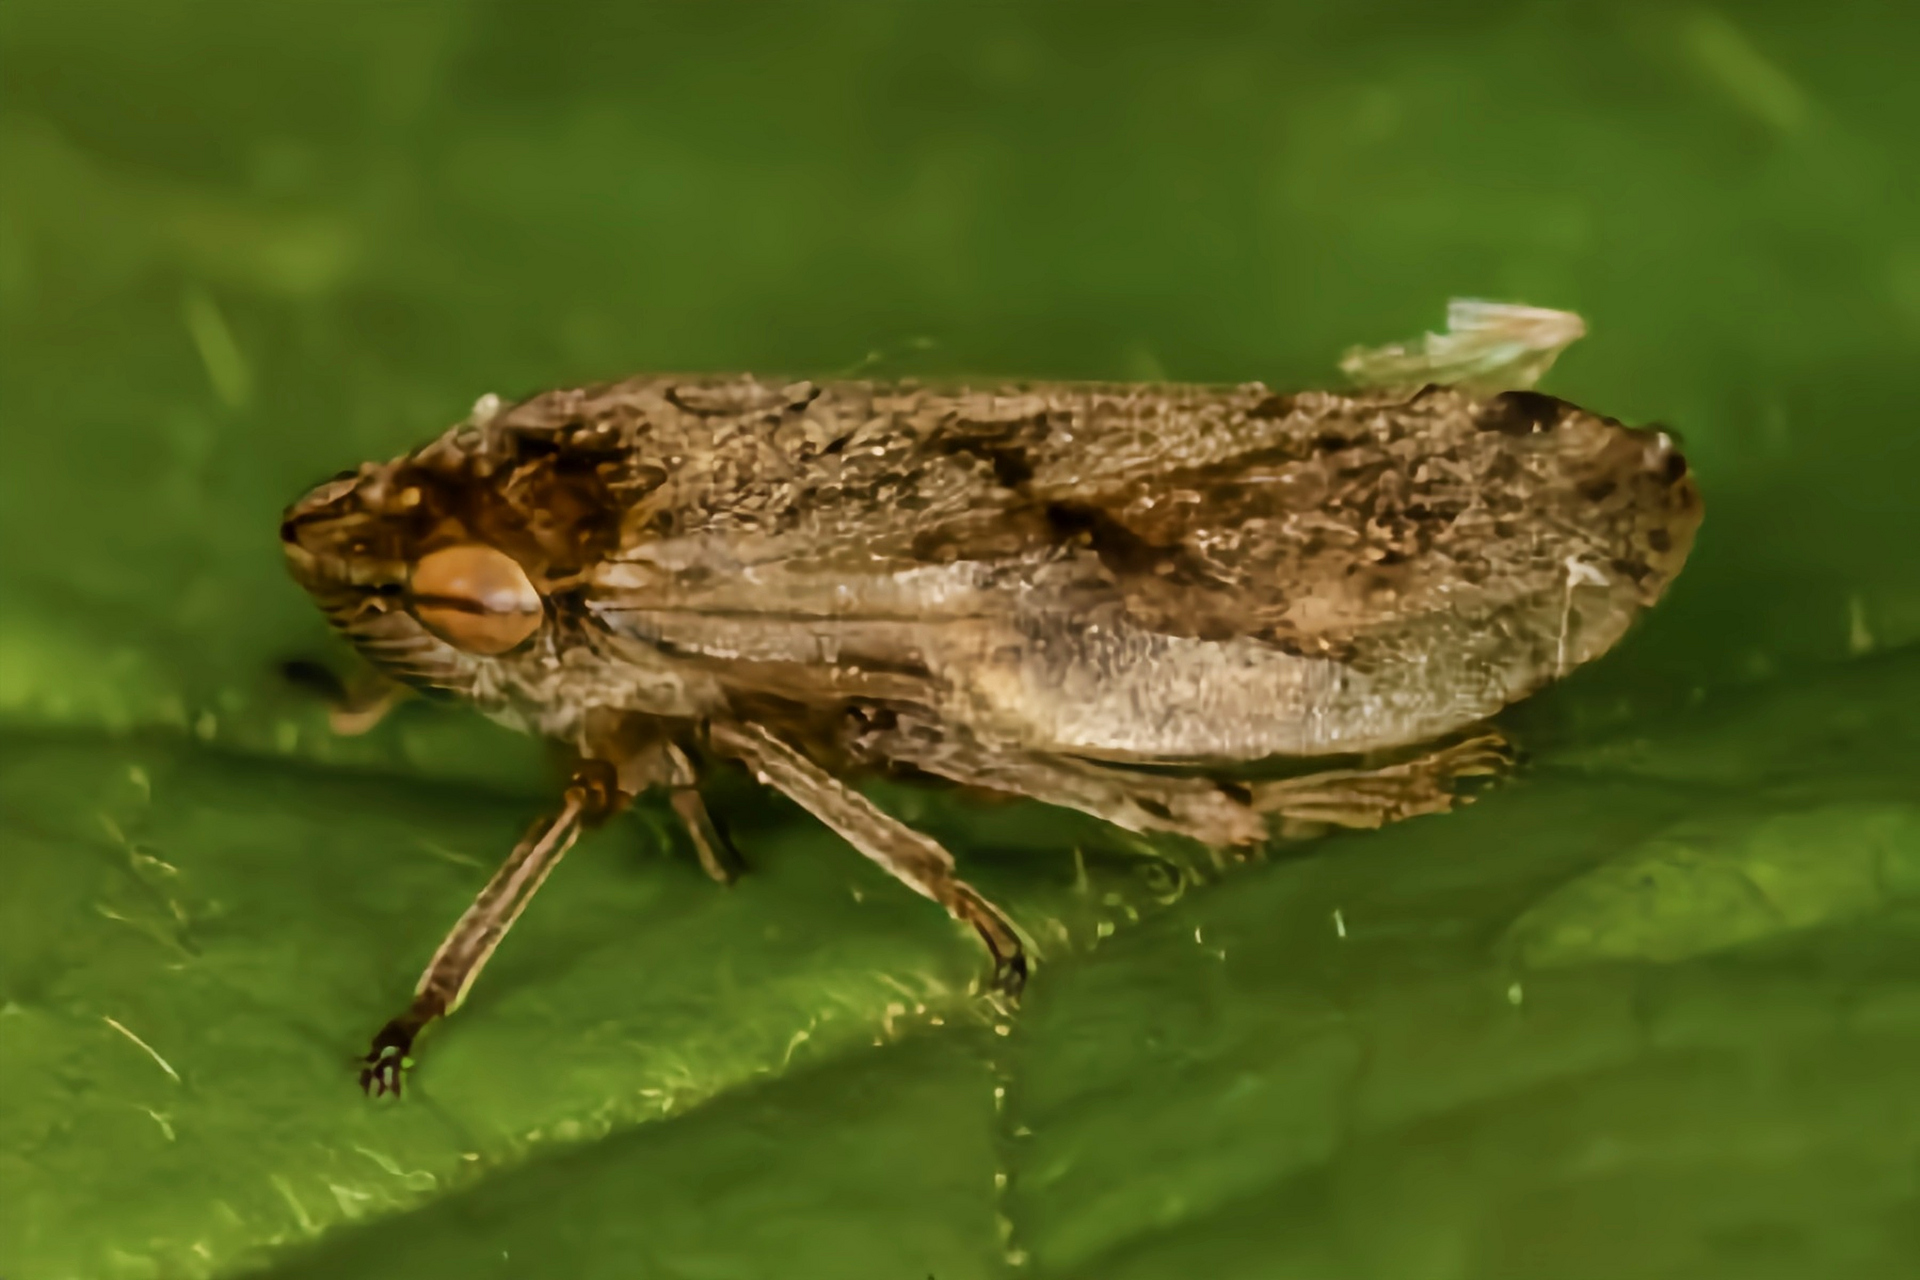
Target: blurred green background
x=1652 y=1009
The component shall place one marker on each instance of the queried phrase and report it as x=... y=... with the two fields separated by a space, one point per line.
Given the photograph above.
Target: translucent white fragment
x=1488 y=347
x=485 y=410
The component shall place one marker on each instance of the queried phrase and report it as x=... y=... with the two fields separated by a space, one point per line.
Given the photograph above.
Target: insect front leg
x=466 y=950
x=917 y=860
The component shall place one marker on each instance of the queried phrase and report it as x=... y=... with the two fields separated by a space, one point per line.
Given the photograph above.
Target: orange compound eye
x=476 y=598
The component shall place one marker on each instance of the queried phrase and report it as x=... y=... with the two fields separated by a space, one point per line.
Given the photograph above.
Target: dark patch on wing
x=1006 y=444
x=1167 y=586
x=1120 y=549
x=1521 y=413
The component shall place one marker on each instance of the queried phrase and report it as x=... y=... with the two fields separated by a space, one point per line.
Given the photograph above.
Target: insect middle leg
x=916 y=859
x=642 y=756
x=717 y=855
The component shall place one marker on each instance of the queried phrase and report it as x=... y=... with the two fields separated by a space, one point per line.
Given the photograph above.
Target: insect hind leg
x=1368 y=797
x=1213 y=812
x=1130 y=799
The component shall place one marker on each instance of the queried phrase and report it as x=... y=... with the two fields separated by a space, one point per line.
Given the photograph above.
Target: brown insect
x=1035 y=589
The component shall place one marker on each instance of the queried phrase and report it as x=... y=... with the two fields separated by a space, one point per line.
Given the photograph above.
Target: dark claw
x=1010 y=975
x=730 y=859
x=386 y=1063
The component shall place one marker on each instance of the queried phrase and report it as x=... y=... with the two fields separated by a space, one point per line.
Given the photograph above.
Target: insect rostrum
x=1034 y=589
